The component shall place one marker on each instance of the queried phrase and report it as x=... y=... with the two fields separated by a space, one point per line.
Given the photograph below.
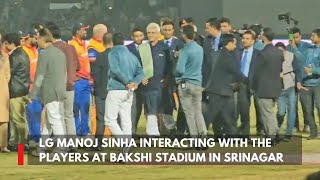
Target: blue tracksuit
x=81 y=106
x=33 y=113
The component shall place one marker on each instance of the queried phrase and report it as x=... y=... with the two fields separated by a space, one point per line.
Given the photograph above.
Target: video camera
x=288 y=19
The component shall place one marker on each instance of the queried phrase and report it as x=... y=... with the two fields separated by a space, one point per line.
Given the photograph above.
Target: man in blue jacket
x=124 y=77
x=309 y=83
x=299 y=48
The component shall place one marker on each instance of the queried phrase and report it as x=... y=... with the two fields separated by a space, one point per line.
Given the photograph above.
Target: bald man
x=95 y=47
x=95 y=44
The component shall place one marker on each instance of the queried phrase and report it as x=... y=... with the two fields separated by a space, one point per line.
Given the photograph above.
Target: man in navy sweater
x=152 y=87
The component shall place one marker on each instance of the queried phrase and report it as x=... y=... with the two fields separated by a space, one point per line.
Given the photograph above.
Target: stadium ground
x=311 y=158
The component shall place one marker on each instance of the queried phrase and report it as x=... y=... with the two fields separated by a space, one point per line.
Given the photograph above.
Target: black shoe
x=13 y=148
x=287 y=139
x=312 y=137
x=98 y=149
x=260 y=133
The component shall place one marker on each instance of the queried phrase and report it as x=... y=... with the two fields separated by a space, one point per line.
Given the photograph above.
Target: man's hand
x=292 y=44
x=27 y=100
x=300 y=87
x=145 y=81
x=131 y=86
x=308 y=70
x=176 y=54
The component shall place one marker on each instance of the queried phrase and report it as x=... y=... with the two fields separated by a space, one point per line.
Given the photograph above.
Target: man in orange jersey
x=95 y=47
x=34 y=109
x=82 y=87
x=95 y=44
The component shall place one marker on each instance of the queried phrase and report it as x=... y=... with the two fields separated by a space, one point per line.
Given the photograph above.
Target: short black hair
x=225 y=20
x=107 y=38
x=214 y=22
x=136 y=30
x=252 y=33
x=168 y=23
x=295 y=30
x=226 y=39
x=118 y=39
x=188 y=31
x=12 y=38
x=280 y=44
x=317 y=31
x=45 y=33
x=54 y=30
x=256 y=28
x=268 y=33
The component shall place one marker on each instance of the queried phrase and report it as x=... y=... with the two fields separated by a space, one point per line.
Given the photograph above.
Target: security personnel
x=34 y=109
x=82 y=88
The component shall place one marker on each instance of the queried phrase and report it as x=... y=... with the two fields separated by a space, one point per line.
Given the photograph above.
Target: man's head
x=153 y=32
x=188 y=33
x=185 y=21
x=267 y=35
x=248 y=39
x=44 y=38
x=281 y=46
x=225 y=24
x=137 y=36
x=117 y=39
x=228 y=41
x=11 y=41
x=256 y=28
x=296 y=35
x=79 y=30
x=32 y=38
x=23 y=37
x=168 y=29
x=107 y=40
x=315 y=36
x=99 y=30
x=213 y=27
x=54 y=30
x=164 y=19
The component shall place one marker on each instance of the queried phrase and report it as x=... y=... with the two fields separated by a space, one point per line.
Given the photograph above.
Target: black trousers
x=309 y=100
x=100 y=108
x=136 y=110
x=244 y=102
x=221 y=113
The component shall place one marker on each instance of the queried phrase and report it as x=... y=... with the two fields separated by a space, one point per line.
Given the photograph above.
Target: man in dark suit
x=211 y=45
x=168 y=103
x=266 y=82
x=223 y=82
x=247 y=57
x=100 y=73
x=137 y=37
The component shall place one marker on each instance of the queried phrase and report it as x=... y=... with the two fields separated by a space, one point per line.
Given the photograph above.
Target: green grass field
x=10 y=169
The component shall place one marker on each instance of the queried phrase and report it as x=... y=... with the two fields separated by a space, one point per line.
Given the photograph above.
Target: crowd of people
x=48 y=85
